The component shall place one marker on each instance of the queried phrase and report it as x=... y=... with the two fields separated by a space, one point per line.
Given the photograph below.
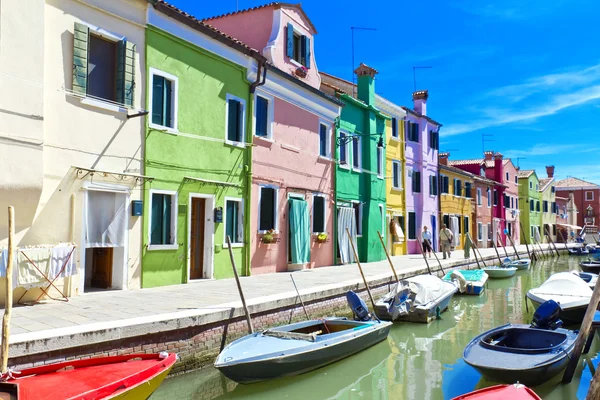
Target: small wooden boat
x=500 y=272
x=417 y=299
x=300 y=347
x=570 y=291
x=531 y=354
x=471 y=281
x=593 y=249
x=523 y=263
x=578 y=251
x=587 y=277
x=590 y=265
x=134 y=376
x=501 y=392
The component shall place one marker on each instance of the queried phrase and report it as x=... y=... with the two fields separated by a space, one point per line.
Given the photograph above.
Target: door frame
x=112 y=188
x=209 y=235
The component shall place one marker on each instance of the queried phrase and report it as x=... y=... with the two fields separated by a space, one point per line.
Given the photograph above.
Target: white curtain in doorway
x=346 y=220
x=495 y=228
x=484 y=242
x=454 y=229
x=105 y=220
x=536 y=234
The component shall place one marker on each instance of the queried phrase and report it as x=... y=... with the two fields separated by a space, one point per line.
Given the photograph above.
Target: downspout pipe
x=261 y=77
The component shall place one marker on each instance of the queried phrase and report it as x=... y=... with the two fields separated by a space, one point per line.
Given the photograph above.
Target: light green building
x=548 y=199
x=530 y=206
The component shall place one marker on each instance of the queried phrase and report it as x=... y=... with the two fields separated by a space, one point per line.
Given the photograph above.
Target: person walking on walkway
x=446 y=238
x=426 y=235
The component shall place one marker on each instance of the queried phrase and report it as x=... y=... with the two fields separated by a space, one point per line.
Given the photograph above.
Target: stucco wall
x=197 y=151
x=252 y=27
x=548 y=217
x=526 y=195
x=458 y=205
x=395 y=203
x=512 y=190
x=483 y=213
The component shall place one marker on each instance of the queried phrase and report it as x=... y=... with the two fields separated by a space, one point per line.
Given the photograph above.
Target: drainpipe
x=260 y=80
x=336 y=125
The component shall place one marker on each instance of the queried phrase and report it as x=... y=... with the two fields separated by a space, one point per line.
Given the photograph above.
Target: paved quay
x=113 y=315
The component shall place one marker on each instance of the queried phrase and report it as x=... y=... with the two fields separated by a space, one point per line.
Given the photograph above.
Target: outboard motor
x=358 y=307
x=546 y=316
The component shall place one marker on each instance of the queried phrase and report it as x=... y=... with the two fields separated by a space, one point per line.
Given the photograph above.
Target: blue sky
x=526 y=72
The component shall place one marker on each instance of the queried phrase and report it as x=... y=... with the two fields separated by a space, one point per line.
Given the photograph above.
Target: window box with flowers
x=322 y=237
x=301 y=71
x=269 y=237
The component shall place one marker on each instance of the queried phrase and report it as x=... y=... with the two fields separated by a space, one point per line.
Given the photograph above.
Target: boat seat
x=496 y=341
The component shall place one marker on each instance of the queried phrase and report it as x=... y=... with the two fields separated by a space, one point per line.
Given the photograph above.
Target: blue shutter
x=306 y=51
x=290 y=41
x=262 y=110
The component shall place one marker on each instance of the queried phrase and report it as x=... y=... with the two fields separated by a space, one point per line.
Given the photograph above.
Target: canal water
x=417 y=361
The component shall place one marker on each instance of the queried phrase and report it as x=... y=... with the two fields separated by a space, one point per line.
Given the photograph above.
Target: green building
x=199 y=104
x=360 y=187
x=530 y=206
x=548 y=199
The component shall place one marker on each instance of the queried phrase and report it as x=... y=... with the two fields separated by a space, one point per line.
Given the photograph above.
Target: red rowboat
x=501 y=392
x=131 y=377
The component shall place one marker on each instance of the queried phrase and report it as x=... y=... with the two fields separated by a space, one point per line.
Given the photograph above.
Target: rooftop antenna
x=519 y=158
x=237 y=5
x=415 y=75
x=353 y=28
x=484 y=140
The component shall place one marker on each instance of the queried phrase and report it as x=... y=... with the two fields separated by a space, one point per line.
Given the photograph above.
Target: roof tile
x=574 y=183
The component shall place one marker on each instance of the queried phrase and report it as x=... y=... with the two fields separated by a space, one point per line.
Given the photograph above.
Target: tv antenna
x=484 y=139
x=520 y=158
x=415 y=74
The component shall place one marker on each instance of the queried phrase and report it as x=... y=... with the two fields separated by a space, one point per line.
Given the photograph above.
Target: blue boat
x=470 y=281
x=300 y=347
x=523 y=263
x=578 y=251
x=530 y=354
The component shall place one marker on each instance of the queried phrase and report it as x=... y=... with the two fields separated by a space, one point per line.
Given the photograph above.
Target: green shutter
x=290 y=41
x=167 y=106
x=125 y=72
x=233 y=123
x=158 y=83
x=166 y=220
x=305 y=58
x=80 y=58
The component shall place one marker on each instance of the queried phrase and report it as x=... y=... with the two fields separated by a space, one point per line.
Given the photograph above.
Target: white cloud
x=543 y=150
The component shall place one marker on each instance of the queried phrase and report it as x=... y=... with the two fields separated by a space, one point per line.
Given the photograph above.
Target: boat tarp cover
x=470 y=275
x=428 y=288
x=565 y=283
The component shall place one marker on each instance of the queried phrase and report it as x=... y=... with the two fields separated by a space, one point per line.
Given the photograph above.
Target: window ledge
x=163 y=246
x=235 y=144
x=275 y=232
x=397 y=189
x=357 y=170
x=344 y=166
x=265 y=138
x=290 y=148
x=296 y=63
x=325 y=158
x=104 y=105
x=233 y=245
x=164 y=129
x=395 y=138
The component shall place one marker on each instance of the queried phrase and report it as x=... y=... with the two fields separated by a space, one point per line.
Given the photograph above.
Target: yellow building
x=395 y=165
x=456 y=202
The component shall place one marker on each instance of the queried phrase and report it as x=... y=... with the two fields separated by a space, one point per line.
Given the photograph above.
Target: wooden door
x=197 y=238
x=102 y=267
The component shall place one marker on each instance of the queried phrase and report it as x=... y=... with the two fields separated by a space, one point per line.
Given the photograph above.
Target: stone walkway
x=111 y=313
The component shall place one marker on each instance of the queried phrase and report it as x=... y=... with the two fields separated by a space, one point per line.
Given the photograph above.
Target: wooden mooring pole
x=532 y=256
x=360 y=268
x=9 y=290
x=584 y=331
x=565 y=239
x=594 y=390
x=551 y=241
x=438 y=261
x=300 y=297
x=424 y=256
x=514 y=247
x=497 y=253
x=388 y=257
x=239 y=286
x=474 y=250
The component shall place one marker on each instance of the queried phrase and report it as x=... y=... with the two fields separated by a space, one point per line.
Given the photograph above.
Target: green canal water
x=417 y=361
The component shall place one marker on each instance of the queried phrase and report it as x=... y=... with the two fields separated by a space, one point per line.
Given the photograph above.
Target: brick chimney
x=550 y=171
x=489 y=155
x=366 y=83
x=443 y=158
x=420 y=101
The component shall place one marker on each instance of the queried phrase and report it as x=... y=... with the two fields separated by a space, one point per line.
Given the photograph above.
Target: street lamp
x=348 y=138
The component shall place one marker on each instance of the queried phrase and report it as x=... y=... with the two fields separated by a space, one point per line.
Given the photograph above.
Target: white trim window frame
x=324 y=197
x=174 y=100
x=479 y=232
x=347 y=147
x=356 y=140
x=241 y=141
x=380 y=162
x=240 y=222
x=586 y=196
x=327 y=125
x=275 y=207
x=397 y=176
x=270 y=114
x=173 y=227
x=359 y=225
x=489 y=197
x=479 y=194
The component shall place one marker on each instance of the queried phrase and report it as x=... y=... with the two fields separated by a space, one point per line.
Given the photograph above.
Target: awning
x=570 y=226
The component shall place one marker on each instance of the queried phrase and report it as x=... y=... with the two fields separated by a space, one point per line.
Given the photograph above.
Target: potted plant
x=322 y=237
x=269 y=237
x=301 y=71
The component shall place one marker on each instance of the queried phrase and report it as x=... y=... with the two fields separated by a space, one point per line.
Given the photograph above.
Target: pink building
x=292 y=197
x=511 y=201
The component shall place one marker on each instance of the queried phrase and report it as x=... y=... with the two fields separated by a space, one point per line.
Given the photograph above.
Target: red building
x=586 y=196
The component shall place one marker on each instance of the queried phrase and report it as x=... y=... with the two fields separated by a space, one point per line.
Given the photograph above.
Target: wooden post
x=505 y=252
x=239 y=286
x=514 y=247
x=474 y=250
x=360 y=268
x=9 y=289
x=594 y=390
x=438 y=261
x=388 y=257
x=300 y=297
x=525 y=240
x=584 y=331
x=497 y=253
x=565 y=239
x=424 y=256
x=553 y=244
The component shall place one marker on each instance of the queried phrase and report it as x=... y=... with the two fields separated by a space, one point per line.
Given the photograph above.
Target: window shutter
x=80 y=58
x=394 y=127
x=305 y=58
x=416 y=132
x=407 y=130
x=233 y=124
x=156 y=219
x=167 y=109
x=125 y=72
x=290 y=41
x=262 y=106
x=430 y=185
x=157 y=99
x=166 y=220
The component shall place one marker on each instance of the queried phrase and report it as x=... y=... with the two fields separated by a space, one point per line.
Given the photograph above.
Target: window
x=267 y=209
x=324 y=140
x=412 y=131
x=516 y=179
x=537 y=186
x=509 y=227
x=482 y=171
x=537 y=206
x=507 y=177
x=495 y=197
x=412 y=226
x=433 y=185
x=396 y=175
x=234 y=119
x=531 y=205
x=343 y=149
x=466 y=222
x=434 y=140
x=479 y=231
x=358 y=213
x=530 y=185
x=545 y=206
x=298 y=46
x=356 y=153
x=506 y=200
x=478 y=196
x=234 y=221
x=554 y=230
x=512 y=202
x=382 y=215
x=163 y=220
x=379 y=162
x=468 y=190
x=446 y=220
x=103 y=65
x=489 y=197
x=263 y=116
x=319 y=213
x=589 y=196
x=416 y=181
x=163 y=103
x=489 y=229
x=554 y=208
x=532 y=231
x=394 y=128
x=445 y=184
x=457 y=187
x=553 y=189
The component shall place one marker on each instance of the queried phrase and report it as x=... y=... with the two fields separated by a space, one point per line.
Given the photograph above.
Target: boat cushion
x=469 y=274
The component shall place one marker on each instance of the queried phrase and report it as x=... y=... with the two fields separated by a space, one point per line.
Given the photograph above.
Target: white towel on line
x=3 y=265
x=29 y=276
x=57 y=260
